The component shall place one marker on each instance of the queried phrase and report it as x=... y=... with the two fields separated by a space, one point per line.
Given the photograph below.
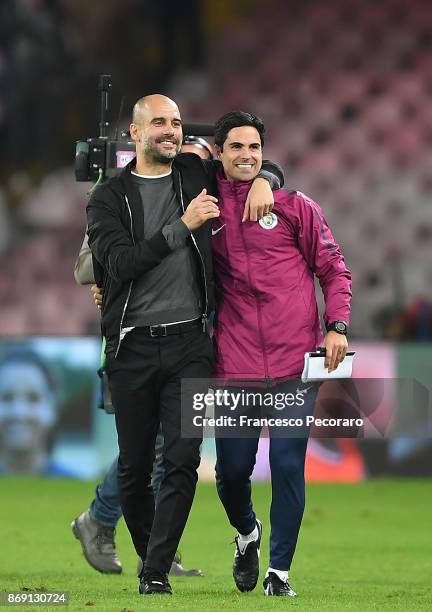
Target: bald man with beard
x=149 y=232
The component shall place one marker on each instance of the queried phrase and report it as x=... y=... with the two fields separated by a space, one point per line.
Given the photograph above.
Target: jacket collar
x=126 y=187
x=227 y=187
x=123 y=181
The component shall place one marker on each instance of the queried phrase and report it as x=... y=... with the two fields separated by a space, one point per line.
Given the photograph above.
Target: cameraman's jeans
x=234 y=466
x=105 y=507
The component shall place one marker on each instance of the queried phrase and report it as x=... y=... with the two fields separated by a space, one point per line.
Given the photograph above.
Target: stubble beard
x=153 y=156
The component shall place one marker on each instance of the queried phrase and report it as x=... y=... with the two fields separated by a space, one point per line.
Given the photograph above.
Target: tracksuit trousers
x=234 y=466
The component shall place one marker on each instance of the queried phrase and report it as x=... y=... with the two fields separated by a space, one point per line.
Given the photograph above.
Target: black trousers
x=145 y=384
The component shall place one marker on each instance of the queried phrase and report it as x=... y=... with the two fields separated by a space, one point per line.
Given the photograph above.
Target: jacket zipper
x=200 y=256
x=130 y=284
x=258 y=305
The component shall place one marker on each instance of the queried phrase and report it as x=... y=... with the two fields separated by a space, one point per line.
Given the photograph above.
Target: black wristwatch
x=338 y=326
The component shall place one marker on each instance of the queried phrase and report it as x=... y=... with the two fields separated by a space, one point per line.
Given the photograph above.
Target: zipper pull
x=204 y=323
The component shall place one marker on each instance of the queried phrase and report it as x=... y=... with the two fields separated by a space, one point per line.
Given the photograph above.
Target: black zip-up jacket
x=115 y=230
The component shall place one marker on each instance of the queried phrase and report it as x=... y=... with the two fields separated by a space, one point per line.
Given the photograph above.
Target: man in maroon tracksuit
x=267 y=318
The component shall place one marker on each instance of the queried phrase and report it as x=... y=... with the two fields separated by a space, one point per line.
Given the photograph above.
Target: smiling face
x=27 y=416
x=156 y=130
x=241 y=153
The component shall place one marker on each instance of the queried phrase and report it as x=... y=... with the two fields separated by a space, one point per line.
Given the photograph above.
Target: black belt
x=160 y=331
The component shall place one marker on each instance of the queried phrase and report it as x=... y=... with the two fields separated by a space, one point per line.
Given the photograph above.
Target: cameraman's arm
x=83 y=272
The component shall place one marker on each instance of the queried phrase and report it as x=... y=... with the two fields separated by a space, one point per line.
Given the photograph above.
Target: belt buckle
x=156 y=329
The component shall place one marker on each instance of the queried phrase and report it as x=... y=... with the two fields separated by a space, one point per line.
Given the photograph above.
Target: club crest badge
x=269 y=221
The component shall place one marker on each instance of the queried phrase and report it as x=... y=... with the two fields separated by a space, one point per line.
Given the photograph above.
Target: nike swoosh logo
x=214 y=232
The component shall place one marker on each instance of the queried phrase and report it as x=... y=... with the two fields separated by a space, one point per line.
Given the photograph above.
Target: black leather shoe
x=273 y=585
x=154 y=583
x=246 y=563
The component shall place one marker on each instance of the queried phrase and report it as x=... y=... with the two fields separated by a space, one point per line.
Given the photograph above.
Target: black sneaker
x=273 y=585
x=153 y=582
x=246 y=564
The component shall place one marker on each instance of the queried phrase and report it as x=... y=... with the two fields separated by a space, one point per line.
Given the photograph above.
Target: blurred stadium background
x=345 y=90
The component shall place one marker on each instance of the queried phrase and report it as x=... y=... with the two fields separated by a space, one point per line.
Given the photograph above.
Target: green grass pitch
x=361 y=547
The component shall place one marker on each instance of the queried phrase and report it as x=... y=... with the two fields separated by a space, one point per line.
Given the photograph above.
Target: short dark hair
x=236 y=119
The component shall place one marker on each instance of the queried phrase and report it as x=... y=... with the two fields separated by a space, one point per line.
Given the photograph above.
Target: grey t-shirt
x=170 y=291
